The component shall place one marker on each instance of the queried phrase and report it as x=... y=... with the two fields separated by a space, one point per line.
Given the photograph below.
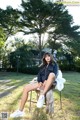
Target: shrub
x=30 y=70
x=77 y=65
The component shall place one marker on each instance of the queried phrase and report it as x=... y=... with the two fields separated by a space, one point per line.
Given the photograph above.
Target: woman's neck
x=48 y=63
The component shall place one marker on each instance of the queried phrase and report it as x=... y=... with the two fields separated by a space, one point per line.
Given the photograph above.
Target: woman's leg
x=47 y=86
x=49 y=83
x=24 y=98
x=27 y=88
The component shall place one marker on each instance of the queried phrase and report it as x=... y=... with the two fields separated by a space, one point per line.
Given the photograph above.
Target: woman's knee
x=52 y=76
x=26 y=88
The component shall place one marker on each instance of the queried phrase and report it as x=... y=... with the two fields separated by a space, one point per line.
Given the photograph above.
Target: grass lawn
x=11 y=86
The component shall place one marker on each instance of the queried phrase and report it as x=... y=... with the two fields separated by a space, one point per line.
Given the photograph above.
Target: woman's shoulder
x=54 y=65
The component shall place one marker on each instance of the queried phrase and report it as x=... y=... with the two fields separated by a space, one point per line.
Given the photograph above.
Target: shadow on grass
x=13 y=104
x=16 y=85
x=15 y=80
x=14 y=76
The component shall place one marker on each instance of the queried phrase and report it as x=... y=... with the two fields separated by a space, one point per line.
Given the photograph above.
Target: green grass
x=10 y=101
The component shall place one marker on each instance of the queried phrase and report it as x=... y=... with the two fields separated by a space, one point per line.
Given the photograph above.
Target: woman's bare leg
x=30 y=87
x=24 y=98
x=46 y=86
x=49 y=82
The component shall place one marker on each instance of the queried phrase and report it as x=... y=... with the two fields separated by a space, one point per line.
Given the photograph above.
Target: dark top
x=46 y=70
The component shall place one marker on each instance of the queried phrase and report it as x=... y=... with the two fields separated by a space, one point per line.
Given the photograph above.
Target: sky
x=13 y=3
x=74 y=10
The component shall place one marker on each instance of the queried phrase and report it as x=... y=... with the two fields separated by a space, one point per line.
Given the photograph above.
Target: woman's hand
x=44 y=83
x=40 y=84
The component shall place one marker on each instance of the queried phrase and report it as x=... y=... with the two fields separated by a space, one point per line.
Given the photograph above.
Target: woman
x=46 y=77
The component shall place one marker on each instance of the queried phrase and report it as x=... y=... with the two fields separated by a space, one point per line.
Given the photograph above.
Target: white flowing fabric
x=60 y=81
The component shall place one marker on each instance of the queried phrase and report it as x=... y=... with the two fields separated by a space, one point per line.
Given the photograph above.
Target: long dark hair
x=44 y=63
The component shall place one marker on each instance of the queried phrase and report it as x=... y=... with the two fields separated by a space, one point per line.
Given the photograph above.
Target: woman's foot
x=40 y=101
x=17 y=113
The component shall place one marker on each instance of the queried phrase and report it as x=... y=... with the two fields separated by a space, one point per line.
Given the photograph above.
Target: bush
x=77 y=65
x=74 y=66
x=30 y=70
x=11 y=70
x=66 y=66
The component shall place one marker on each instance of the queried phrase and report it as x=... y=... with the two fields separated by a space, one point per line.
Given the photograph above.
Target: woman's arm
x=40 y=84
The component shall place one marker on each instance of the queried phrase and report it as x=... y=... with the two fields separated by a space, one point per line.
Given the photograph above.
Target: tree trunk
x=40 y=48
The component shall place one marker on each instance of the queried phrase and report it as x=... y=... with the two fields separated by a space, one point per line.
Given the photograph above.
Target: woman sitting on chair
x=45 y=78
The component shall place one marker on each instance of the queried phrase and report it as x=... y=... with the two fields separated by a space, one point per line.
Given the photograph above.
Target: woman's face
x=48 y=58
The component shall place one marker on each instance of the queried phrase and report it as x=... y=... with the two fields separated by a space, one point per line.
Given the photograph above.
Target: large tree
x=35 y=18
x=40 y=17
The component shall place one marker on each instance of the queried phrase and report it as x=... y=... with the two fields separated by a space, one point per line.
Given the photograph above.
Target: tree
x=21 y=57
x=40 y=17
x=9 y=21
x=9 y=24
x=2 y=41
x=35 y=17
x=64 y=33
x=2 y=37
x=74 y=47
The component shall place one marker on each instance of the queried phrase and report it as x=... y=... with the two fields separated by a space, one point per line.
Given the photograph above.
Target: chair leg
x=60 y=101
x=37 y=92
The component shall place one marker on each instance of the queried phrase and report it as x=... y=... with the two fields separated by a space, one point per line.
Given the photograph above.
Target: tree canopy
x=40 y=17
x=9 y=20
